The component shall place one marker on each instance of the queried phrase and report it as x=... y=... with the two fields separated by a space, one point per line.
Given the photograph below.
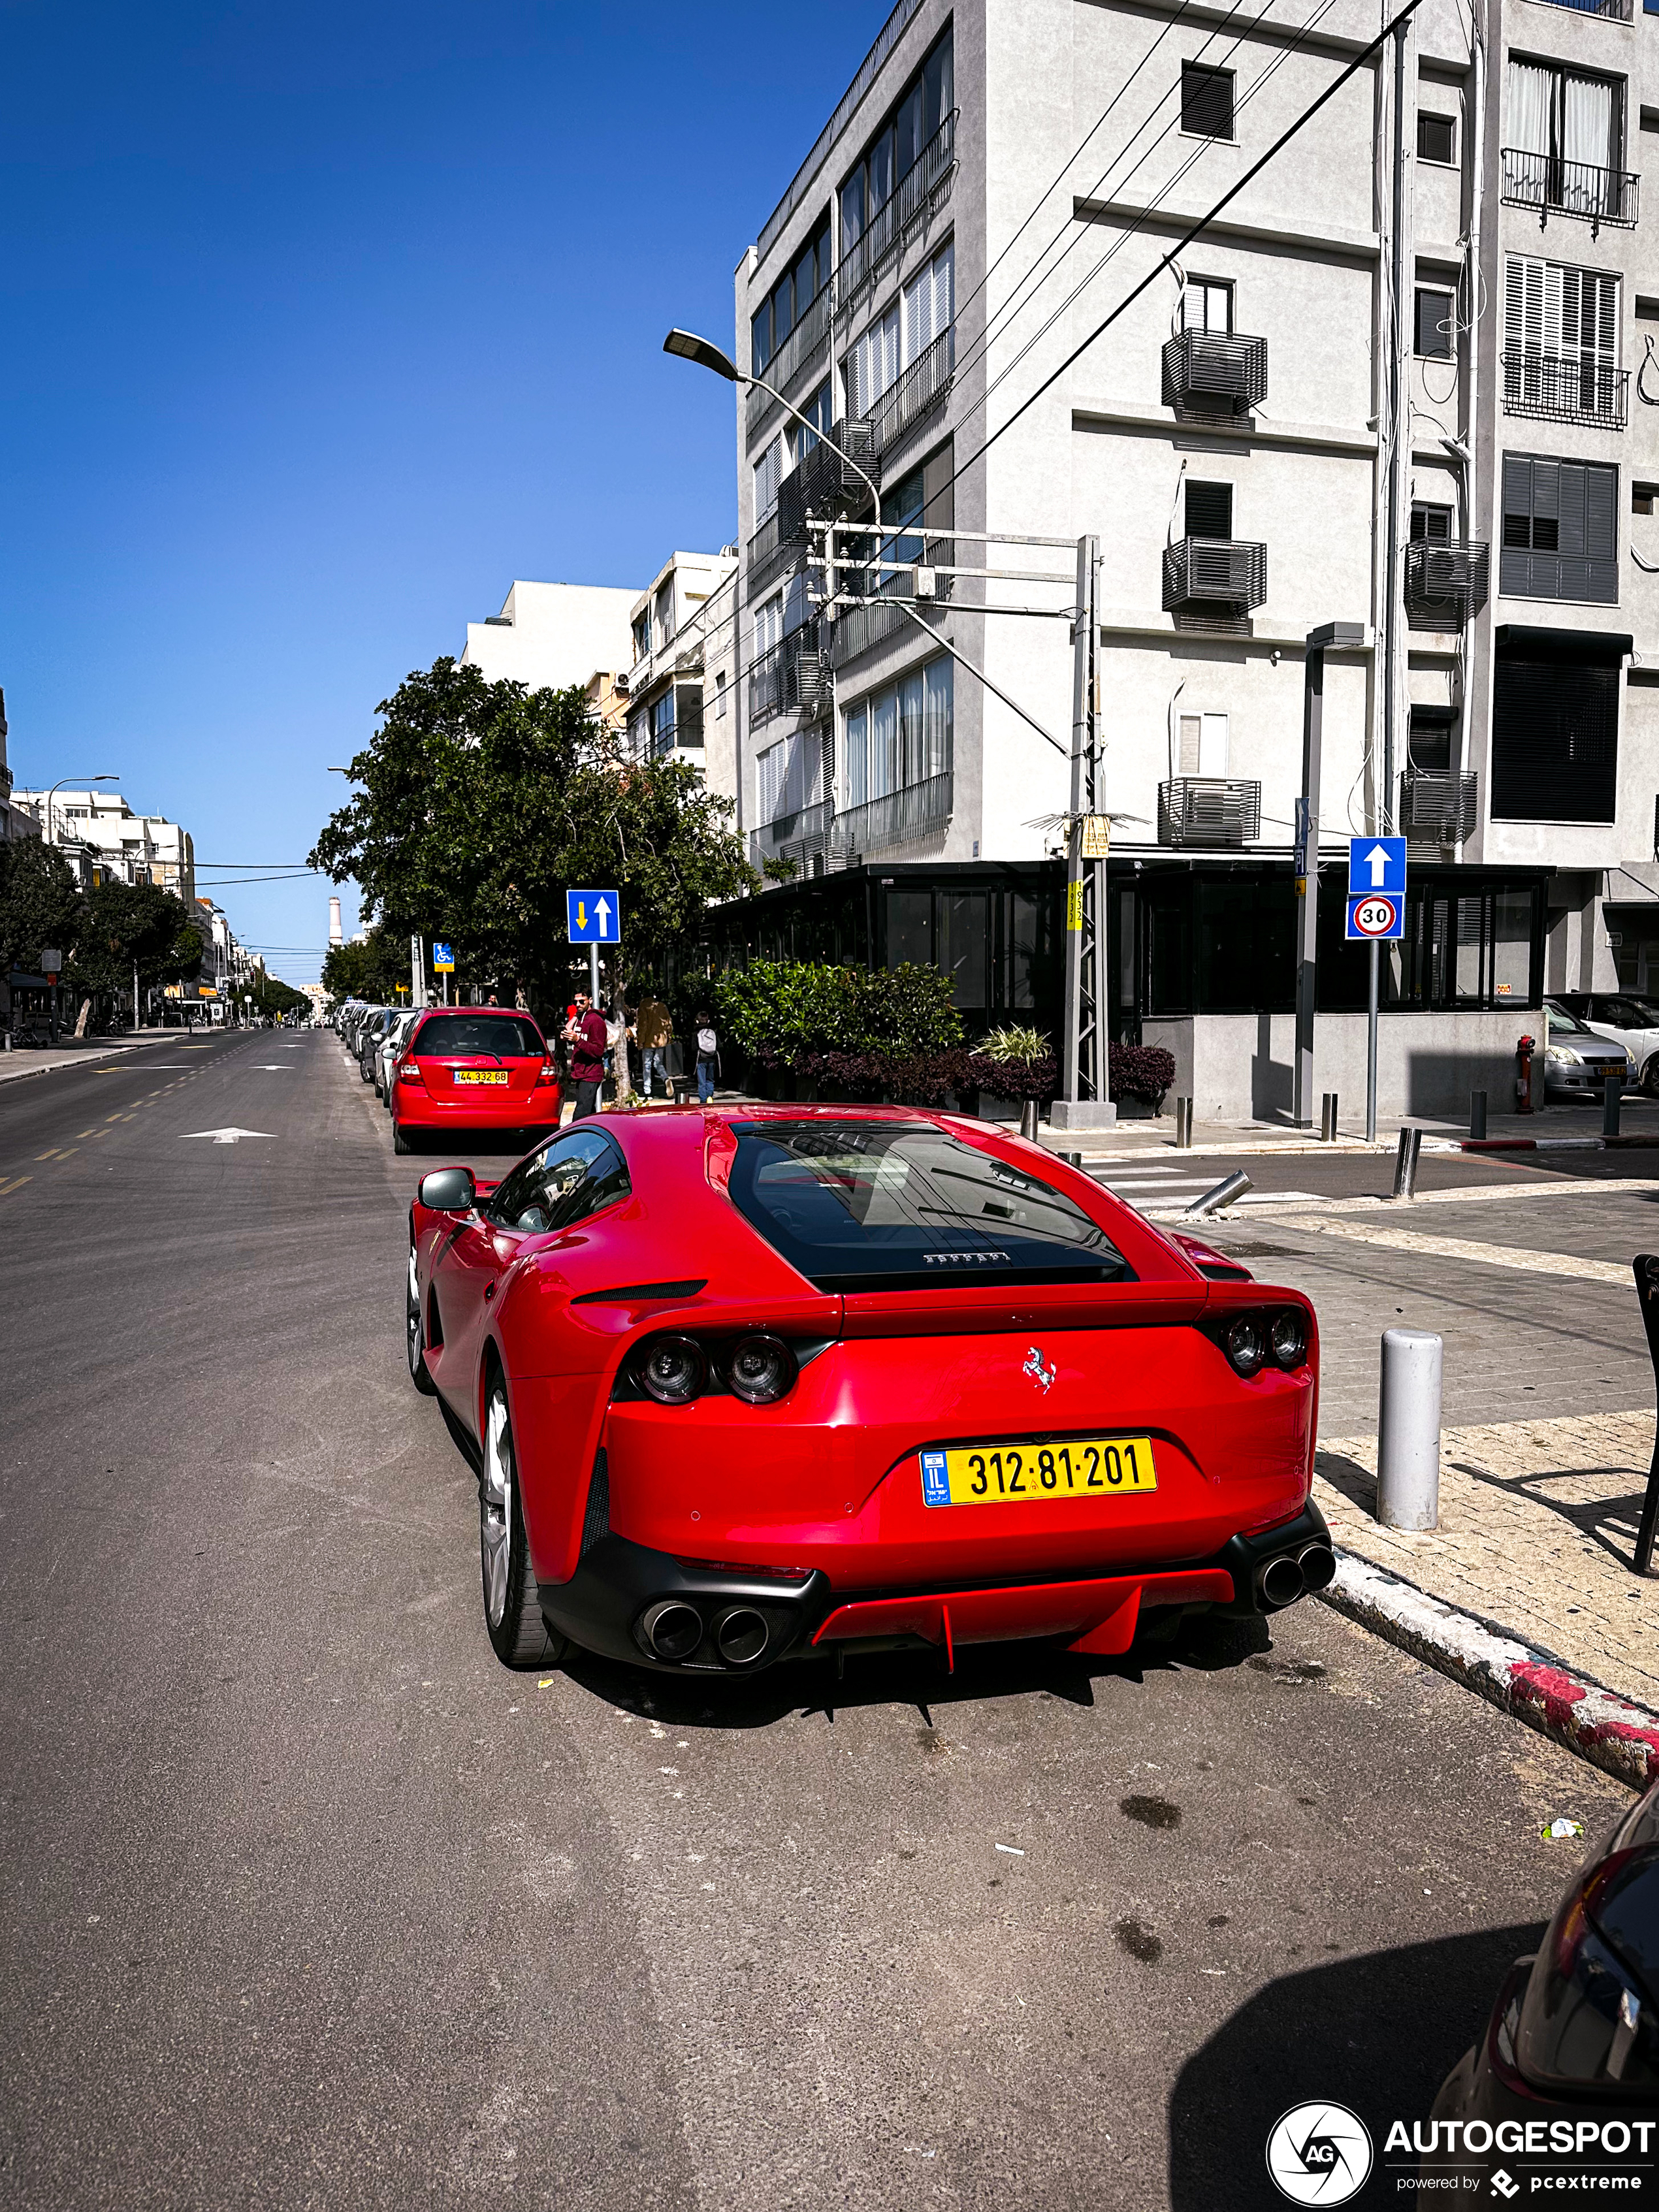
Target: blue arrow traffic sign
x=1375 y=864
x=593 y=917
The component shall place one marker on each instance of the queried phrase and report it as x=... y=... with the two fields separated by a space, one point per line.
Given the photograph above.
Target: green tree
x=126 y=923
x=479 y=805
x=40 y=904
x=377 y=969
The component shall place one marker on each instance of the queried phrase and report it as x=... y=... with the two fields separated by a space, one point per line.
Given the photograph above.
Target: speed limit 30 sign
x=1376 y=916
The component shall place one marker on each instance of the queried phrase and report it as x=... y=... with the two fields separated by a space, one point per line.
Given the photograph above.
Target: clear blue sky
x=323 y=323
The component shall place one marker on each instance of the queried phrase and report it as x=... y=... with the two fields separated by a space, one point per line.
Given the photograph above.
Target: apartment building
x=1402 y=382
x=101 y=836
x=551 y=636
x=683 y=654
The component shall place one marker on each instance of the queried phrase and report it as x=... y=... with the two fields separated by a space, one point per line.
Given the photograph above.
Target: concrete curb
x=1558 y=1144
x=1619 y=1737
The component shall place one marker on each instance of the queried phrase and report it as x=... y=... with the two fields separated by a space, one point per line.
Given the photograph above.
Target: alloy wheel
x=496 y=1507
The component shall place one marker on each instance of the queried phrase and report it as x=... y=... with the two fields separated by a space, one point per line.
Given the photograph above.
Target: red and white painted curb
x=1620 y=1738
x=1557 y=1143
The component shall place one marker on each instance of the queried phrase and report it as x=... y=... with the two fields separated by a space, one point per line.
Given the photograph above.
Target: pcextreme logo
x=1319 y=2153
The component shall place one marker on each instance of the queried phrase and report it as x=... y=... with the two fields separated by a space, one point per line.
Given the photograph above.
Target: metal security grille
x=1554 y=741
x=1560 y=530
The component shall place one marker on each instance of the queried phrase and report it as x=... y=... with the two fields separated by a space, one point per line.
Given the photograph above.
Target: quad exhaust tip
x=741 y=1636
x=672 y=1630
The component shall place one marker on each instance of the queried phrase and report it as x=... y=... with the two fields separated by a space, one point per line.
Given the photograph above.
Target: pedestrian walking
x=586 y=1033
x=709 y=1059
x=653 y=1027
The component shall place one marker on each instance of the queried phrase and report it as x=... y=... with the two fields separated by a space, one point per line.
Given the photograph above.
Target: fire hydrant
x=1523 y=1053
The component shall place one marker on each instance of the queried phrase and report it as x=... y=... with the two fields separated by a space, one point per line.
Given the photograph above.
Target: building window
x=720 y=695
x=662 y=724
x=769 y=473
x=1430 y=525
x=642 y=634
x=1202 y=744
x=1435 y=323
x=1437 y=138
x=788 y=301
x=1554 y=737
x=881 y=354
x=791 y=775
x=1209 y=509
x=1561 y=341
x=1207 y=100
x=1206 y=304
x=872 y=366
x=817 y=410
x=666 y=614
x=902 y=736
x=897 y=146
x=768 y=625
x=1565 y=144
x=1560 y=530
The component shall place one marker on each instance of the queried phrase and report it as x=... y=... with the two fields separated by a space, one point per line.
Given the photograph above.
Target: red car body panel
x=828 y=1477
x=426 y=1094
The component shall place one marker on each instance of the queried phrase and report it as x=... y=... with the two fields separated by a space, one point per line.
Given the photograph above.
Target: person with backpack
x=709 y=1059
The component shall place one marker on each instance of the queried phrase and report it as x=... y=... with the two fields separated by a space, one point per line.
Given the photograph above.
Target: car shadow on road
x=1200 y=1643
x=1377 y=2032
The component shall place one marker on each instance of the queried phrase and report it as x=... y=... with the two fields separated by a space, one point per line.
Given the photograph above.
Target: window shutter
x=1209 y=510
x=1191 y=729
x=1600 y=514
x=1570 y=509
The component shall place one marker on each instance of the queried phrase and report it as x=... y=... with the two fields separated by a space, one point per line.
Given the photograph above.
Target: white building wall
x=552 y=636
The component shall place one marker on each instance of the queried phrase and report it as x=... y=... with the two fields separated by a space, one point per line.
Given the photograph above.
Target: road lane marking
x=51 y=1155
x=7 y=1188
x=1524 y=1258
x=227 y=1136
x=67 y=1150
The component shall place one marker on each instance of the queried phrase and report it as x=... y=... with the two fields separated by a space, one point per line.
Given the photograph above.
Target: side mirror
x=448 y=1190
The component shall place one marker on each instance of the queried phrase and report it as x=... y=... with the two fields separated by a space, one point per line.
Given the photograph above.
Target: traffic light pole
x=1085 y=1075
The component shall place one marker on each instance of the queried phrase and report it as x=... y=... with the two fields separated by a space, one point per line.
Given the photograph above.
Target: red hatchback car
x=473 y=1067
x=747 y=1384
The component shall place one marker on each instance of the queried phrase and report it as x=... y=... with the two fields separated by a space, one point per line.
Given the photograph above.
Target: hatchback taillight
x=409 y=1071
x=547 y=1073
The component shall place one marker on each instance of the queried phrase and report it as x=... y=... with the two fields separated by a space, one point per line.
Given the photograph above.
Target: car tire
x=1650 y=1076
x=414 y=1334
x=513 y=1614
x=400 y=1143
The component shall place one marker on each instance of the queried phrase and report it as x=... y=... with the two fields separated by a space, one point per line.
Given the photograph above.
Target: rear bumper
x=531 y=1110
x=622 y=1592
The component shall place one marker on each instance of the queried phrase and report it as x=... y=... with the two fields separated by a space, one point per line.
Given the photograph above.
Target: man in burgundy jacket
x=586 y=1034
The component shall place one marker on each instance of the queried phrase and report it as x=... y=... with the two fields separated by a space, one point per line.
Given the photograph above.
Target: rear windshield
x=446 y=1036
x=863 y=1206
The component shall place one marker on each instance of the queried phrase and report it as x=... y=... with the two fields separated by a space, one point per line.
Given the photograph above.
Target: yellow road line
x=51 y=1155
x=67 y=1150
x=7 y=1188
x=111 y=1117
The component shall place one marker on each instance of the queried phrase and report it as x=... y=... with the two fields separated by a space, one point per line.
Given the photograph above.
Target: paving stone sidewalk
x=1537 y=1526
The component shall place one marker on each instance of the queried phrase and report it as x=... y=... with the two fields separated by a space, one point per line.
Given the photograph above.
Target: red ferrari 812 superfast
x=746 y=1384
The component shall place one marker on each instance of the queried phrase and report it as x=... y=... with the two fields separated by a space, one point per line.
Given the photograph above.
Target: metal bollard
x=1183 y=1124
x=1409 y=1430
x=1072 y=1160
x=1328 y=1118
x=1477 y=1114
x=1404 y=1164
x=1029 y=1114
x=1613 y=1092
x=1221 y=1194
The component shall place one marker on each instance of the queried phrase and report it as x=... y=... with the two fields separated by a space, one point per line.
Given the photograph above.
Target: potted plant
x=1014 y=1065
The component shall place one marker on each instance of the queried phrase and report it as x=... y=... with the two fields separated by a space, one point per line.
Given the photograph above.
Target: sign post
x=1376 y=916
x=52 y=964
x=1647 y=1290
x=1305 y=853
x=417 y=971
x=443 y=963
x=592 y=919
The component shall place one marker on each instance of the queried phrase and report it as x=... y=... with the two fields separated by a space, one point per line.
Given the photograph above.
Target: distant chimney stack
x=334 y=935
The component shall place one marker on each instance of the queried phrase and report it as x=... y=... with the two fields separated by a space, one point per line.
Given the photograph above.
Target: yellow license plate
x=481 y=1075
x=994 y=1474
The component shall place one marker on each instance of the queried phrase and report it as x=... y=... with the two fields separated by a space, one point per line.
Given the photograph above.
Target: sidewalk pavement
x=1537 y=1526
x=69 y=1051
x=1132 y=1137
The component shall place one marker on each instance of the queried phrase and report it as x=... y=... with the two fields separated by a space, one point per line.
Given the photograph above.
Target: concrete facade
x=550 y=636
x=101 y=836
x=670 y=690
x=1078 y=149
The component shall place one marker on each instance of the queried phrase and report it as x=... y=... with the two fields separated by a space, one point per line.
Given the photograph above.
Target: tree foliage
x=128 y=922
x=40 y=904
x=479 y=805
x=376 y=970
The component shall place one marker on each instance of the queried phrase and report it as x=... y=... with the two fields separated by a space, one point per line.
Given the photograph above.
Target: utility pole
x=135 y=1022
x=1086 y=1081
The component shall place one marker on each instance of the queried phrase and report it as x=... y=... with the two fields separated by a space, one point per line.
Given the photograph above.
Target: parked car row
x=1590 y=1032
x=454 y=1069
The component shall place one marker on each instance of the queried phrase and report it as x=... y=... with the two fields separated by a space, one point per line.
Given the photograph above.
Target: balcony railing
x=1445 y=584
x=1226 y=573
x=790 y=678
x=1212 y=370
x=922 y=385
x=799 y=351
x=779 y=546
x=896 y=819
x=803 y=837
x=916 y=192
x=1437 y=807
x=1576 y=188
x=1209 y=811
x=827 y=484
x=1566 y=390
x=867 y=623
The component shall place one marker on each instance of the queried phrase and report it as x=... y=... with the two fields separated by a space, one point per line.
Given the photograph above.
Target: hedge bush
x=1141 y=1071
x=803 y=1015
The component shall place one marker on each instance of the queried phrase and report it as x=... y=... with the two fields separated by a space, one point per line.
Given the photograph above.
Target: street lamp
x=58 y=785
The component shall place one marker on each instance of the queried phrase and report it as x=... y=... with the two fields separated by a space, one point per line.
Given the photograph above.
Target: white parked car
x=387 y=1054
x=1629 y=1019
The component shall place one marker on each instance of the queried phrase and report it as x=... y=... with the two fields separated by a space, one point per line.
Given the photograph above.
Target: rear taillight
x=409 y=1071
x=547 y=1075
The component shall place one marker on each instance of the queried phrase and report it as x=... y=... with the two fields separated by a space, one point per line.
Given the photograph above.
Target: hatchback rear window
x=452 y=1036
x=863 y=1206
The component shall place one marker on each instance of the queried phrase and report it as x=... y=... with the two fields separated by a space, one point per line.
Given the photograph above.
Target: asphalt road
x=308 y=1903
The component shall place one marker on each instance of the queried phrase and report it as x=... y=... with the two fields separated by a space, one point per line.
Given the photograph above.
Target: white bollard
x=1409 y=1430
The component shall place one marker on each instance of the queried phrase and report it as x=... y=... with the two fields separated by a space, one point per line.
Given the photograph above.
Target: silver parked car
x=1579 y=1061
x=1629 y=1019
x=390 y=1047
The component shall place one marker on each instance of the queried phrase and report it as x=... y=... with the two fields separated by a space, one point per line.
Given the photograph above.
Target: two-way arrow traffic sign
x=1375 y=864
x=593 y=917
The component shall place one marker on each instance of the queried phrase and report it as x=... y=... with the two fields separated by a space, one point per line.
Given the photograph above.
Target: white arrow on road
x=602 y=907
x=269 y=1067
x=227 y=1136
x=1377 y=861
